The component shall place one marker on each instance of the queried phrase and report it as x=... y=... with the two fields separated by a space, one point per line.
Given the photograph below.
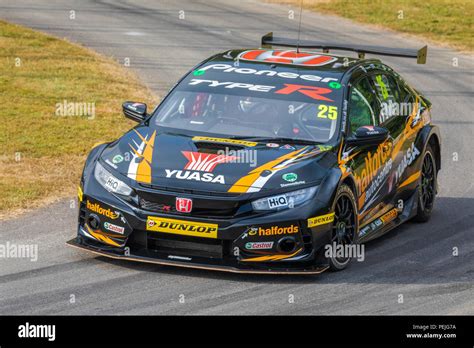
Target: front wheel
x=344 y=228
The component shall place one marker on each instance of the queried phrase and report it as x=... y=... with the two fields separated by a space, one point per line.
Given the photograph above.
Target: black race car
x=258 y=160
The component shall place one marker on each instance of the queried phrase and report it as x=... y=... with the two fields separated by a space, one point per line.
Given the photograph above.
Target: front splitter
x=307 y=271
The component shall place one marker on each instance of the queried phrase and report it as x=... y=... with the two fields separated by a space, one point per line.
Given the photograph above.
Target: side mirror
x=134 y=111
x=368 y=135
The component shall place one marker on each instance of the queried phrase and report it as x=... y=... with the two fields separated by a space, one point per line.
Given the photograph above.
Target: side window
x=406 y=97
x=361 y=105
x=386 y=94
x=392 y=98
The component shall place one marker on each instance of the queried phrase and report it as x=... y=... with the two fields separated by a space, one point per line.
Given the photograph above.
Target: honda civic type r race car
x=259 y=159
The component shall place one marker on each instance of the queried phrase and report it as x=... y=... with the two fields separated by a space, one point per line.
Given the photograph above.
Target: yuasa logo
x=197 y=176
x=37 y=331
x=205 y=162
x=184 y=205
x=309 y=91
x=408 y=158
x=287 y=57
x=277 y=201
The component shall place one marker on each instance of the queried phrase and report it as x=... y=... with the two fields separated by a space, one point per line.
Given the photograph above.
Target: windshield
x=227 y=106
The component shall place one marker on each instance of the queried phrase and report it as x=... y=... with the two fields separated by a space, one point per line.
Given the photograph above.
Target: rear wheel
x=344 y=228
x=427 y=187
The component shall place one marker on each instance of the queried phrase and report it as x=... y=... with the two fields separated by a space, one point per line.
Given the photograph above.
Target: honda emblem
x=184 y=205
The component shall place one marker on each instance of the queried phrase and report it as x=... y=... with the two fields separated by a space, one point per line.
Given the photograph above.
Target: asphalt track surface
x=415 y=260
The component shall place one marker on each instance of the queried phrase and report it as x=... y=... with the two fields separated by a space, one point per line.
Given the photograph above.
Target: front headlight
x=285 y=200
x=110 y=182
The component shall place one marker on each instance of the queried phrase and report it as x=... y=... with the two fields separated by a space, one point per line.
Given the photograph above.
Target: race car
x=262 y=160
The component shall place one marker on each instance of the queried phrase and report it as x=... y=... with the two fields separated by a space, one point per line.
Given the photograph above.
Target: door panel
x=399 y=121
x=370 y=165
x=381 y=171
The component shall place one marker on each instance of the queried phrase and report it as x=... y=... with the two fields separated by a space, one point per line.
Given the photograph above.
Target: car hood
x=215 y=164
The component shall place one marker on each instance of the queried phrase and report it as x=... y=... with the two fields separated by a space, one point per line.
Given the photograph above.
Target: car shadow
x=413 y=253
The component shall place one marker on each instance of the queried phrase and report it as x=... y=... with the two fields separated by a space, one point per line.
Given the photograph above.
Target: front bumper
x=162 y=260
x=248 y=244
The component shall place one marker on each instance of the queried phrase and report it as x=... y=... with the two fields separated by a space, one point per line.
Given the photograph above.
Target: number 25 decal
x=327 y=112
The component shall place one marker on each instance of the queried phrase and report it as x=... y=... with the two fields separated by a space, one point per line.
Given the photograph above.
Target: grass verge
x=444 y=21
x=42 y=144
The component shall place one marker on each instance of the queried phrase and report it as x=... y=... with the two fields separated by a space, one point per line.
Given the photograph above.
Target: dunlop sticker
x=320 y=220
x=226 y=141
x=187 y=228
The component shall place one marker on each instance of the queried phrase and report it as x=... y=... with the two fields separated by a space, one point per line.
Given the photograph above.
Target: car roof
x=323 y=64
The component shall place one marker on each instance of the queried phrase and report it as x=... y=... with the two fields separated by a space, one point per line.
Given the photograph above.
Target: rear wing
x=269 y=40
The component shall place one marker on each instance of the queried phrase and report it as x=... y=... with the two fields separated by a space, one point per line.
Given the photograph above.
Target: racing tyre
x=345 y=226
x=427 y=186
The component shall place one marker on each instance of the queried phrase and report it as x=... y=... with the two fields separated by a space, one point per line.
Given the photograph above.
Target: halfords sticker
x=96 y=208
x=187 y=228
x=258 y=245
x=320 y=220
x=114 y=228
x=277 y=201
x=273 y=231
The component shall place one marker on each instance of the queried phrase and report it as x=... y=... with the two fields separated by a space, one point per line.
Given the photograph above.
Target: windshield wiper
x=278 y=140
